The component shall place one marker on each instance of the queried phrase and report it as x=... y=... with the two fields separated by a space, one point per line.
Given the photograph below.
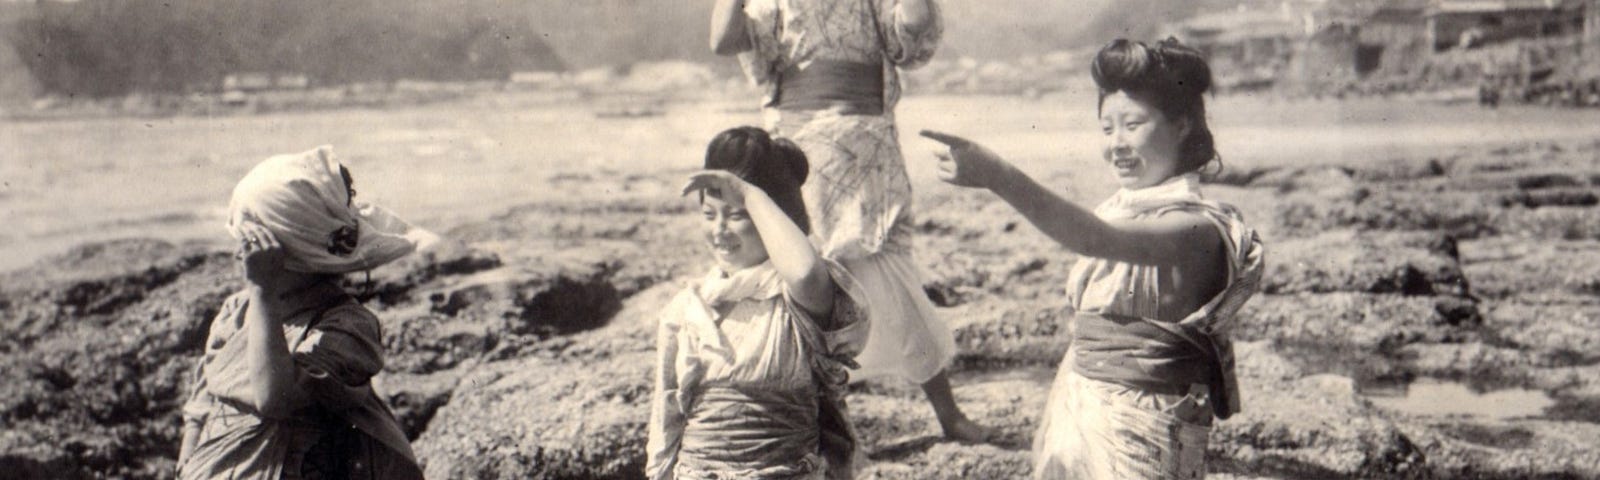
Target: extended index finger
x=947 y=139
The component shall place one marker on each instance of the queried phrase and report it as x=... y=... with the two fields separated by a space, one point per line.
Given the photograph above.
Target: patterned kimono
x=858 y=194
x=1135 y=396
x=346 y=433
x=749 y=385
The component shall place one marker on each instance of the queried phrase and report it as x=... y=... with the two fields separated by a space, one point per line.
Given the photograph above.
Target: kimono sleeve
x=762 y=62
x=908 y=49
x=340 y=354
x=845 y=331
x=667 y=418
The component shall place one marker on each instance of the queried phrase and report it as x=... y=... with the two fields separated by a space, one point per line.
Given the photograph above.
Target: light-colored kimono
x=749 y=385
x=858 y=194
x=346 y=433
x=1109 y=428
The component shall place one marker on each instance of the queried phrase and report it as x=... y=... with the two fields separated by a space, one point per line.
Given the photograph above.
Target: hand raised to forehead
x=263 y=256
x=966 y=164
x=720 y=184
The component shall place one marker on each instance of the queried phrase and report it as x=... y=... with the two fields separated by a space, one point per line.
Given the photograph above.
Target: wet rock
x=1529 y=270
x=95 y=394
x=1314 y=426
x=1372 y=262
x=1403 y=169
x=1351 y=334
x=1460 y=214
x=552 y=297
x=535 y=418
x=1331 y=183
x=1239 y=175
x=92 y=280
x=1514 y=449
x=1550 y=198
x=1563 y=334
x=394 y=283
x=999 y=334
x=415 y=399
x=1548 y=180
x=1550 y=223
x=1470 y=360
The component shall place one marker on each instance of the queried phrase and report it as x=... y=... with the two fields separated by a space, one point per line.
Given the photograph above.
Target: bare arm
x=1169 y=240
x=274 y=389
x=791 y=252
x=728 y=35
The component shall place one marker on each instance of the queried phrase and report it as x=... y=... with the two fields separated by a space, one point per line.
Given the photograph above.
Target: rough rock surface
x=524 y=348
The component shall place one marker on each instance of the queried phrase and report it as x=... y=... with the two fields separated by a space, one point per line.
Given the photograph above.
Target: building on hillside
x=1393 y=36
x=1471 y=23
x=259 y=81
x=1247 y=49
x=1325 y=62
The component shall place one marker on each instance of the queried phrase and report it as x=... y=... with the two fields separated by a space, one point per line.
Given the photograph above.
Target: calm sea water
x=67 y=182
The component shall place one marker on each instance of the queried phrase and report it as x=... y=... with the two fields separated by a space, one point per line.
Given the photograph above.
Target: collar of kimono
x=1128 y=203
x=757 y=282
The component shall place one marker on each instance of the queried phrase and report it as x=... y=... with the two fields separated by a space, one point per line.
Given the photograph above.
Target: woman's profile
x=1162 y=274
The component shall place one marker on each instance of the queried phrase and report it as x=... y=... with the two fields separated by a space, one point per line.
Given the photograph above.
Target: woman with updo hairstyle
x=1163 y=272
x=752 y=357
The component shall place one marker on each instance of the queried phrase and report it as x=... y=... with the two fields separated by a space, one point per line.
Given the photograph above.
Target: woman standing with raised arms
x=831 y=73
x=1162 y=275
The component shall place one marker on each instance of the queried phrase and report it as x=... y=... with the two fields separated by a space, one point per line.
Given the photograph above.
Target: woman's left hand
x=720 y=184
x=263 y=256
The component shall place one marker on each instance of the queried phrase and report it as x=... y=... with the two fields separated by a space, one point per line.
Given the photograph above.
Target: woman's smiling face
x=1141 y=143
x=731 y=234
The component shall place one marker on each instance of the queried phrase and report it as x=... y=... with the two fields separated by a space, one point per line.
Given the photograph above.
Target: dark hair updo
x=775 y=165
x=1170 y=76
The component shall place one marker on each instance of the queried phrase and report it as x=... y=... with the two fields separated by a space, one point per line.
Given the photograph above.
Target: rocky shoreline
x=523 y=347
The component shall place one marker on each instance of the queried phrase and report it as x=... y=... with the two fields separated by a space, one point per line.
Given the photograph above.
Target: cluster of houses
x=1319 y=45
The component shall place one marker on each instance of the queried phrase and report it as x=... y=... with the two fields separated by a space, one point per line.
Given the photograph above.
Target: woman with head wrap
x=283 y=390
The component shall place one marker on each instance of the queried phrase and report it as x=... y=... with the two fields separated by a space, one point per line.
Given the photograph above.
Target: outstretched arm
x=1166 y=240
x=728 y=35
x=791 y=252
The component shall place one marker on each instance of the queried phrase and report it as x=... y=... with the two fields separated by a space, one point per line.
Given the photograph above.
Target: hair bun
x=794 y=160
x=1184 y=65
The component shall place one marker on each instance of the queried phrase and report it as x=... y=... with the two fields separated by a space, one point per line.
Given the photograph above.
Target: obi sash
x=757 y=432
x=850 y=88
x=1158 y=356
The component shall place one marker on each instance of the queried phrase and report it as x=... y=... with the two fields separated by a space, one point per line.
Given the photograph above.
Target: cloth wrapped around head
x=303 y=199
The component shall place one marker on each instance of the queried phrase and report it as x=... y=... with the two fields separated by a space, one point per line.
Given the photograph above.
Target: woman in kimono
x=831 y=73
x=752 y=357
x=283 y=390
x=1162 y=274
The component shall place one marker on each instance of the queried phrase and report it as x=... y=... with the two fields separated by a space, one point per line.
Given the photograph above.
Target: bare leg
x=956 y=425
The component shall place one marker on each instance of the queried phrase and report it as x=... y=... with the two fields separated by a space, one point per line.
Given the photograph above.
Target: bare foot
x=967 y=431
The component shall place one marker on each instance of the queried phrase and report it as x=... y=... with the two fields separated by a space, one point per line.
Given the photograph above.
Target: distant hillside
x=113 y=47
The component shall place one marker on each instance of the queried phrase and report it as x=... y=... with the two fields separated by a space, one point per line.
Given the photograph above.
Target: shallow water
x=1440 y=398
x=65 y=182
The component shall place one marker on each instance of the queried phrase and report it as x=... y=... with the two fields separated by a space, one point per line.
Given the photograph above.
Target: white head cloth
x=302 y=199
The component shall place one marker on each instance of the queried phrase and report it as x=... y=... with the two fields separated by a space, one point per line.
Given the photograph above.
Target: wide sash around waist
x=737 y=429
x=1140 y=353
x=847 y=87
